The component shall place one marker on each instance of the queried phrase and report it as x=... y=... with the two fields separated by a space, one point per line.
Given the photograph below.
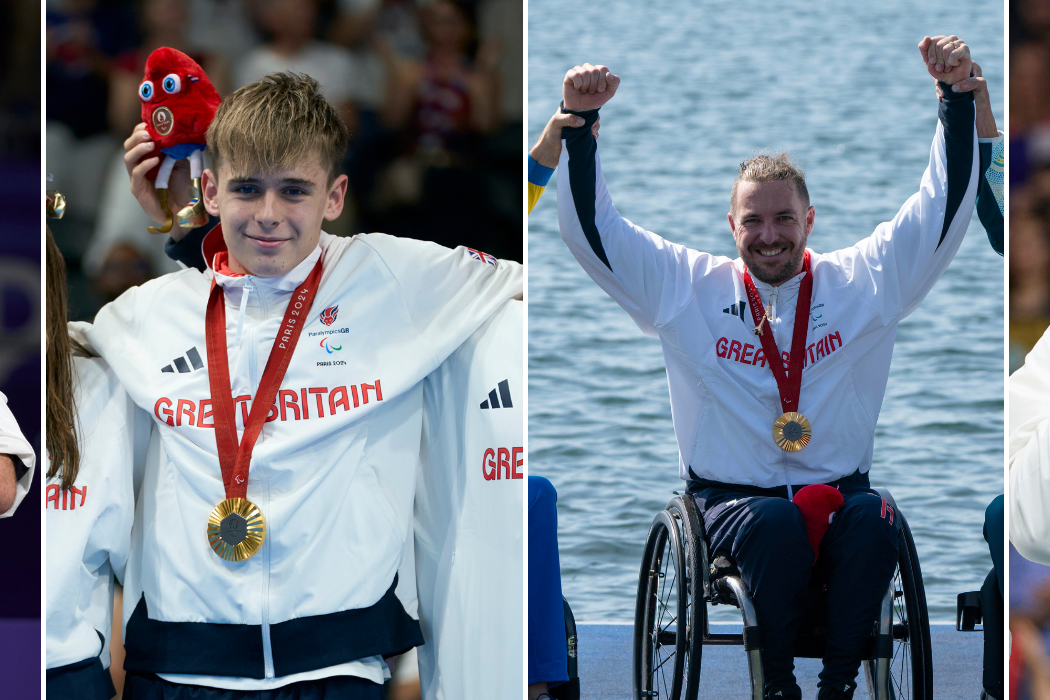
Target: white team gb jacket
x=724 y=398
x=89 y=525
x=468 y=517
x=333 y=470
x=1029 y=446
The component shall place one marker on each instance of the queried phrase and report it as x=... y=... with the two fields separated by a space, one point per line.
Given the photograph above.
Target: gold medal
x=791 y=431
x=236 y=529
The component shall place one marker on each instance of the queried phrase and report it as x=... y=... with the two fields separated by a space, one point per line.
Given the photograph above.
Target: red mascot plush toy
x=818 y=504
x=178 y=104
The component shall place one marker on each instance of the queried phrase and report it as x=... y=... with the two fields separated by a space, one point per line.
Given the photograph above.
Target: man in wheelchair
x=752 y=430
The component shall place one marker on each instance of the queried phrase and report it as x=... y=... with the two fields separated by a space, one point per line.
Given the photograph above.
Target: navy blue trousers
x=766 y=537
x=151 y=687
x=83 y=680
x=548 y=654
x=993 y=535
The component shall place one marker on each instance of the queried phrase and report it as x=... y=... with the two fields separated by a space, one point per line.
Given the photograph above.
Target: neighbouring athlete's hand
x=588 y=87
x=141 y=156
x=548 y=147
x=986 y=127
x=947 y=58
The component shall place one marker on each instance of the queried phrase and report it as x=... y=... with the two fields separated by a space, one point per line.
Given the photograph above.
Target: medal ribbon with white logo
x=791 y=431
x=237 y=528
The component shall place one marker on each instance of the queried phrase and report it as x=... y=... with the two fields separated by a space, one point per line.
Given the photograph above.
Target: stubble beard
x=774 y=276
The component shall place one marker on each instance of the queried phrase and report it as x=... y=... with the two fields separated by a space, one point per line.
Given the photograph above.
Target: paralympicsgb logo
x=329 y=314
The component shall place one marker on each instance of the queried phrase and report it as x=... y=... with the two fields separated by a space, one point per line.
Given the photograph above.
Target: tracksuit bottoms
x=764 y=533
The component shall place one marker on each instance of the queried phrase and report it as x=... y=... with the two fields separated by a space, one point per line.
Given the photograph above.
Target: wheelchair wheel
x=660 y=638
x=684 y=512
x=911 y=664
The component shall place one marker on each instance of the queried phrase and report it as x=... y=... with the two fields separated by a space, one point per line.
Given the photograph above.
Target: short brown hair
x=770 y=168
x=279 y=120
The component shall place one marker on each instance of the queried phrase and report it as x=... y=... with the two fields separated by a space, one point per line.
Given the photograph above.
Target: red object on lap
x=818 y=504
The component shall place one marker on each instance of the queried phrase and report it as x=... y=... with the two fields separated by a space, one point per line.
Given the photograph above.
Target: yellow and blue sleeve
x=539 y=176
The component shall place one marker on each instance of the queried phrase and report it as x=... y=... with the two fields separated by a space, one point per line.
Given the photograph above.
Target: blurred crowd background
x=1029 y=133
x=431 y=91
x=20 y=360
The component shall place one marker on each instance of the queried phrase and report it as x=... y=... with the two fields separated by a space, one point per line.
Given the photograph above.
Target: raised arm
x=993 y=163
x=647 y=275
x=543 y=157
x=899 y=263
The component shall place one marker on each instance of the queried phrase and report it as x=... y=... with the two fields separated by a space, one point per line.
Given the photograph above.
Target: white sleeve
x=13 y=443
x=895 y=267
x=1029 y=454
x=447 y=293
x=650 y=277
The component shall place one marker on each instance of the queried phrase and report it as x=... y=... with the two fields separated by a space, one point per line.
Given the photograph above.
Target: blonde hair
x=770 y=168
x=273 y=123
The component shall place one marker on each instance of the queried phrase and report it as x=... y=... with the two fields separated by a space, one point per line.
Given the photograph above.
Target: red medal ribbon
x=789 y=385
x=233 y=458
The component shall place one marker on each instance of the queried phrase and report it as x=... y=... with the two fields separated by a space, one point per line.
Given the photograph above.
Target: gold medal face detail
x=236 y=529
x=791 y=431
x=163 y=120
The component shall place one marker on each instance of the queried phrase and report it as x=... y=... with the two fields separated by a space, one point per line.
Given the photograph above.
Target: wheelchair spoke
x=900 y=664
x=668 y=658
x=658 y=669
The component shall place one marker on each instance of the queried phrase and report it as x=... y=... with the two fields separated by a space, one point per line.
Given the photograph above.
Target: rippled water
x=841 y=86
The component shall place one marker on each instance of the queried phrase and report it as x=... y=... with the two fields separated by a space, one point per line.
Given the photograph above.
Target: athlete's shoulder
x=174 y=285
x=91 y=372
x=389 y=250
x=96 y=386
x=835 y=268
x=719 y=269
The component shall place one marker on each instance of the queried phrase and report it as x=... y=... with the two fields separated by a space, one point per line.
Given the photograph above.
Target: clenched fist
x=947 y=58
x=588 y=87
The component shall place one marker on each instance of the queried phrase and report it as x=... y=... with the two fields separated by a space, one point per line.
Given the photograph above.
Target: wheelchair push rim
x=910 y=673
x=660 y=627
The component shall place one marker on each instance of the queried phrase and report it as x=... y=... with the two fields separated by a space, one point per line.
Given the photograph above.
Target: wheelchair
x=985 y=607
x=678 y=581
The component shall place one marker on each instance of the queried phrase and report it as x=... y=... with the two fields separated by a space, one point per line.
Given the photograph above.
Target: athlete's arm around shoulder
x=1029 y=454
x=650 y=277
x=900 y=262
x=122 y=325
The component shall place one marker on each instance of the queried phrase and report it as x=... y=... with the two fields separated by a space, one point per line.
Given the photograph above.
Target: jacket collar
x=216 y=257
x=787 y=288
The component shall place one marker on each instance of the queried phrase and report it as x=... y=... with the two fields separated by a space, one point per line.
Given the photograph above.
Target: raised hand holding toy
x=178 y=104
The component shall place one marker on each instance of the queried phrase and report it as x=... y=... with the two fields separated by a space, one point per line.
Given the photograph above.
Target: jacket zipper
x=774 y=297
x=254 y=378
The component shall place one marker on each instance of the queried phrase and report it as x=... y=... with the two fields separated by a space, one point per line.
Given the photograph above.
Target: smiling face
x=271 y=222
x=770 y=224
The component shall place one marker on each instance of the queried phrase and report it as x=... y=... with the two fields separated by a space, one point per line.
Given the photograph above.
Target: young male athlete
x=286 y=384
x=786 y=391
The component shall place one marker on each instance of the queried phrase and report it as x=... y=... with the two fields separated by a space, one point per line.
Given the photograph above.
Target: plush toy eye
x=172 y=83
x=146 y=91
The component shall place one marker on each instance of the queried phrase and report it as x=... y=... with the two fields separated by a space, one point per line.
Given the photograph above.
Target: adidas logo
x=736 y=309
x=493 y=401
x=180 y=362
